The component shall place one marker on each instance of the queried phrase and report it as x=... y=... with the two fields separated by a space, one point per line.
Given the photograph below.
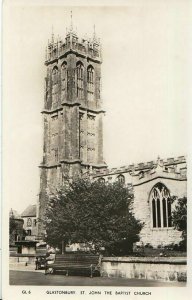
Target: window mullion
x=161 y=210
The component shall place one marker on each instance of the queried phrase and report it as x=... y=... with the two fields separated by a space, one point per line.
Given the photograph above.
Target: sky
x=145 y=83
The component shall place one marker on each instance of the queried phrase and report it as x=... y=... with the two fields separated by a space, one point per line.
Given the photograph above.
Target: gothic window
x=63 y=79
x=82 y=137
x=47 y=97
x=34 y=222
x=54 y=87
x=29 y=222
x=101 y=180
x=80 y=82
x=121 y=179
x=91 y=138
x=161 y=206
x=56 y=154
x=90 y=83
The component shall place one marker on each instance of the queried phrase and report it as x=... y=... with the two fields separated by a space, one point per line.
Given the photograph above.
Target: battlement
x=85 y=47
x=144 y=166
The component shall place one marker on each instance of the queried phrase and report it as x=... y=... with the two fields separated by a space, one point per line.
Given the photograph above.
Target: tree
x=179 y=219
x=12 y=224
x=95 y=213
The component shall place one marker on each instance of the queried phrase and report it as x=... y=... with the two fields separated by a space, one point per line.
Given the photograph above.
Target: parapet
x=143 y=166
x=85 y=47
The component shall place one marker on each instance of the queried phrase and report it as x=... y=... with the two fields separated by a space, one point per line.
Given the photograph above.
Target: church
x=73 y=141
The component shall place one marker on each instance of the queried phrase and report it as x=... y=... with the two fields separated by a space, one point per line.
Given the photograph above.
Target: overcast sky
x=145 y=84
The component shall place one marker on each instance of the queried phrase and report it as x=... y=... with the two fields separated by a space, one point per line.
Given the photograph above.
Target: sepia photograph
x=95 y=141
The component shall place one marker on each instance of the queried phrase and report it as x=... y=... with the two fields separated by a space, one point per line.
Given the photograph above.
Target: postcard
x=96 y=152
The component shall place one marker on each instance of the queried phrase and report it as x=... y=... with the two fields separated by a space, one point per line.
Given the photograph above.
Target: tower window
x=54 y=87
x=90 y=83
x=54 y=154
x=121 y=179
x=161 y=206
x=80 y=82
x=91 y=142
x=63 y=79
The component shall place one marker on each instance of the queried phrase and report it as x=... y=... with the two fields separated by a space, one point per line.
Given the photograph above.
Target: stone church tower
x=72 y=114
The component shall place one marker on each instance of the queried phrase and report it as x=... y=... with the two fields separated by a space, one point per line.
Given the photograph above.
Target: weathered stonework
x=73 y=140
x=142 y=178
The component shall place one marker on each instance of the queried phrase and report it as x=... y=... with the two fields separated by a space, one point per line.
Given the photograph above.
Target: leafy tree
x=179 y=219
x=12 y=225
x=94 y=213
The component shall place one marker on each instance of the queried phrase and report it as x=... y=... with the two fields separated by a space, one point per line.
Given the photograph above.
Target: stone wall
x=142 y=210
x=164 y=269
x=141 y=178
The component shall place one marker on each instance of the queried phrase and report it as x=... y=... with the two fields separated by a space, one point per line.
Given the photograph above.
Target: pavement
x=27 y=275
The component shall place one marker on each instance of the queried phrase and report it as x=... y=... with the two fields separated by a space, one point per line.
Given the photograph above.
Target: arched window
x=54 y=87
x=101 y=180
x=80 y=82
x=63 y=79
x=121 y=179
x=90 y=83
x=160 y=206
x=29 y=222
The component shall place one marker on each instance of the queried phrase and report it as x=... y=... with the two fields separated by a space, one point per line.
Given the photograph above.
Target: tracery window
x=161 y=206
x=54 y=87
x=91 y=142
x=63 y=79
x=80 y=82
x=90 y=83
x=121 y=179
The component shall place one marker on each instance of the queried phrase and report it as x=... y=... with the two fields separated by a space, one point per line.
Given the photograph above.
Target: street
x=39 y=278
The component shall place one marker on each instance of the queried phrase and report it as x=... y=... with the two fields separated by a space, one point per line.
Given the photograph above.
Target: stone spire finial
x=158 y=160
x=71 y=25
x=95 y=39
x=52 y=35
x=11 y=213
x=94 y=33
x=159 y=165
